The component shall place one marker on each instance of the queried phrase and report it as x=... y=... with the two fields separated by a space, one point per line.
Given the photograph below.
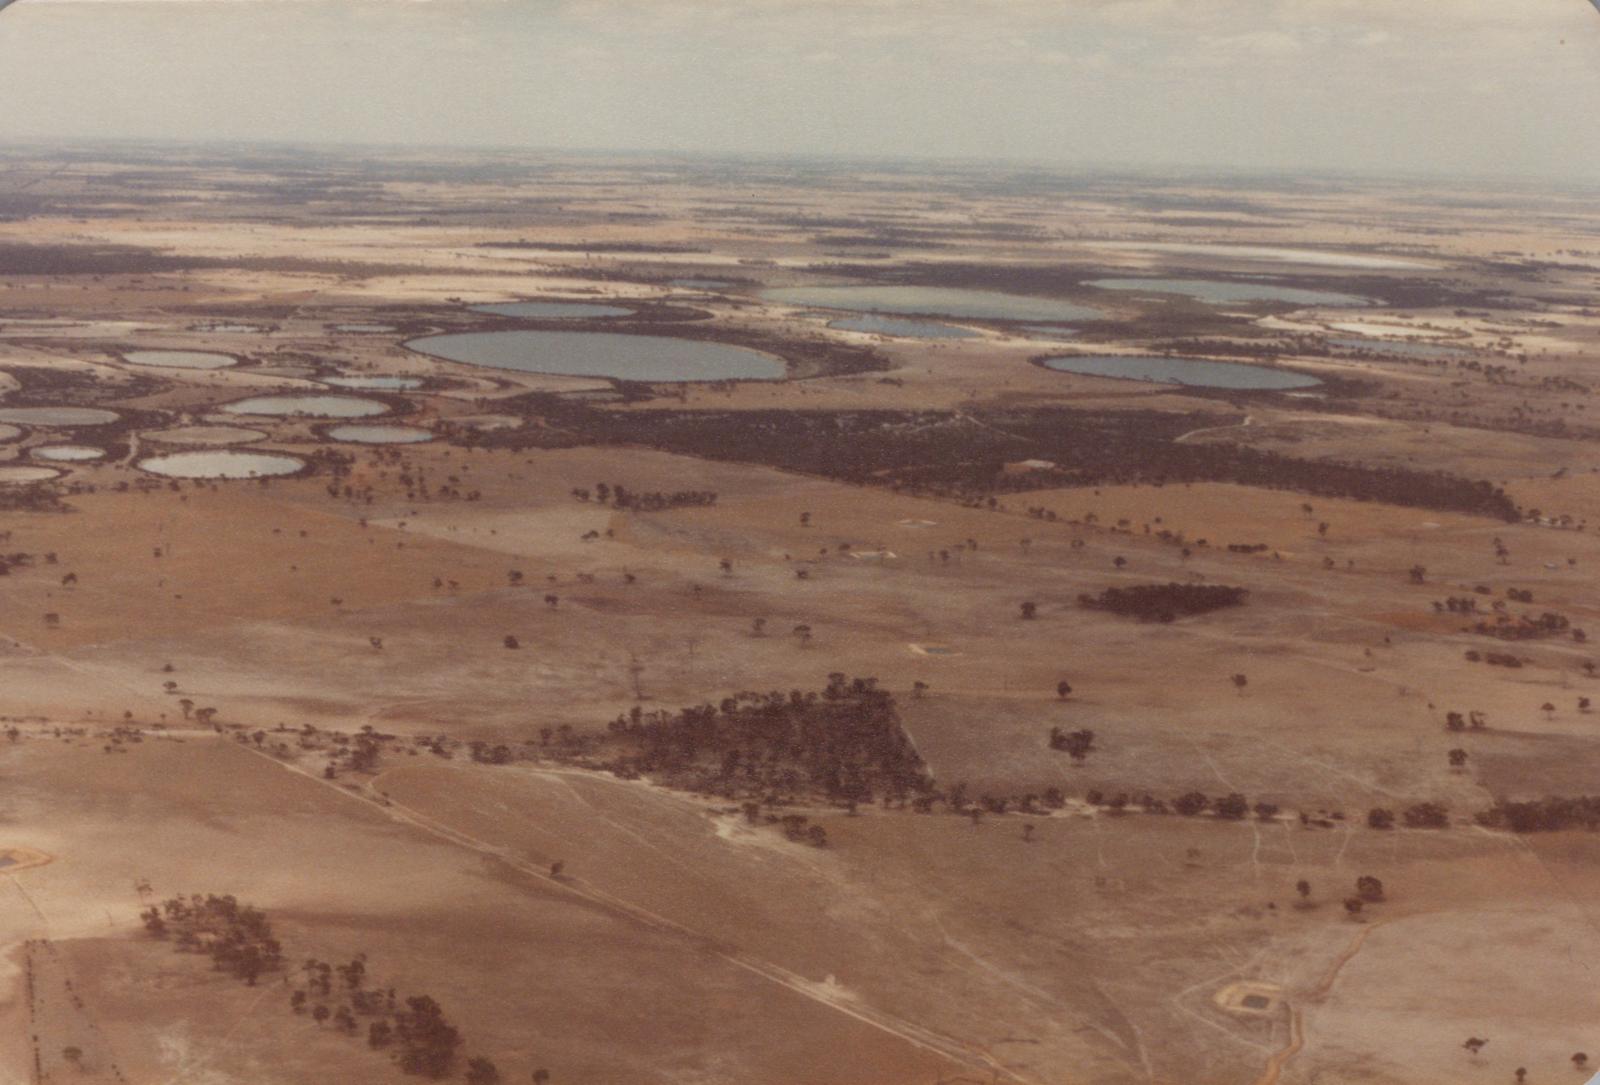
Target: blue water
x=1219 y=292
x=906 y=329
x=1193 y=372
x=601 y=354
x=933 y=301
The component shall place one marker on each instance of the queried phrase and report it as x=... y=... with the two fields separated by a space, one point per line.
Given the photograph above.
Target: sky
x=1481 y=87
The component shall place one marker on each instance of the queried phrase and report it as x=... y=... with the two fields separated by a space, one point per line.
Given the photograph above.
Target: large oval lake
x=602 y=354
x=180 y=359
x=933 y=301
x=1193 y=372
x=222 y=464
x=552 y=310
x=1222 y=292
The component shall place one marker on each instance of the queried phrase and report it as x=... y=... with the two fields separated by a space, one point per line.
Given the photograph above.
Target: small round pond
x=67 y=453
x=309 y=406
x=57 y=416
x=379 y=435
x=901 y=327
x=375 y=384
x=933 y=301
x=1222 y=292
x=1192 y=372
x=553 y=310
x=206 y=435
x=20 y=476
x=222 y=464
x=180 y=359
x=601 y=354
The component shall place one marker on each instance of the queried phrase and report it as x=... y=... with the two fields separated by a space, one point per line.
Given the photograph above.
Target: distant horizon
x=841 y=160
x=1429 y=88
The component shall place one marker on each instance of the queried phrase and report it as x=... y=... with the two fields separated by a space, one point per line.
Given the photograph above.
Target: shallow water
x=365 y=329
x=905 y=329
x=601 y=354
x=206 y=435
x=377 y=384
x=553 y=310
x=933 y=301
x=222 y=464
x=10 y=433
x=1220 y=292
x=699 y=284
x=308 y=406
x=58 y=416
x=1037 y=331
x=1310 y=257
x=14 y=476
x=1409 y=349
x=1192 y=372
x=67 y=453
x=379 y=435
x=180 y=359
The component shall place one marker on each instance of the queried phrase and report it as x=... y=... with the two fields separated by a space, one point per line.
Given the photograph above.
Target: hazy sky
x=1481 y=86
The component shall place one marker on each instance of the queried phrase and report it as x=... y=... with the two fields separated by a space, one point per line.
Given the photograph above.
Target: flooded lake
x=601 y=354
x=553 y=310
x=222 y=465
x=67 y=453
x=379 y=435
x=1193 y=372
x=905 y=329
x=180 y=359
x=58 y=416
x=376 y=384
x=933 y=301
x=1221 y=292
x=308 y=406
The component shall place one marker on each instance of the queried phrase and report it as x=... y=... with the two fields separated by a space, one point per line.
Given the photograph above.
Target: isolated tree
x=919 y=690
x=1353 y=906
x=541 y=1076
x=1474 y=1045
x=511 y=642
x=1580 y=1060
x=1548 y=709
x=758 y=627
x=1063 y=689
x=480 y=1071
x=1379 y=818
x=1419 y=574
x=1369 y=889
x=1239 y=682
x=1522 y=1074
x=1303 y=887
x=1029 y=611
x=1458 y=758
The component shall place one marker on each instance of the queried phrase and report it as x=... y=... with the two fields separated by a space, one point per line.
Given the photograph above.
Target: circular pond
x=206 y=435
x=18 y=476
x=223 y=464
x=552 y=310
x=309 y=406
x=375 y=384
x=1192 y=372
x=379 y=435
x=180 y=359
x=67 y=453
x=933 y=301
x=601 y=354
x=57 y=416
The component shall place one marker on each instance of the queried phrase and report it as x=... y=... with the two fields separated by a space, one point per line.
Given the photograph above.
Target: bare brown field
x=383 y=700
